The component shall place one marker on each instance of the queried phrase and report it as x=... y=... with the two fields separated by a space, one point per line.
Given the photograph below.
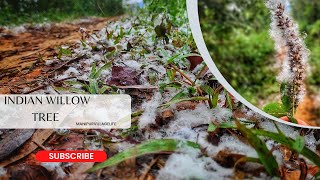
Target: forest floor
x=184 y=124
x=24 y=49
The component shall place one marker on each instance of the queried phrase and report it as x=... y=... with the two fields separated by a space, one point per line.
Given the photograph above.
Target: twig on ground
x=191 y=82
x=147 y=169
x=40 y=145
x=182 y=73
x=66 y=63
x=137 y=87
x=47 y=84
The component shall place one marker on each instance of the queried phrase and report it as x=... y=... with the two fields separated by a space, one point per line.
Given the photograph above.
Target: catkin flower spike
x=285 y=33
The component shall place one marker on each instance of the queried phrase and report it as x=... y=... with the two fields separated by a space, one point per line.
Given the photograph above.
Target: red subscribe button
x=71 y=156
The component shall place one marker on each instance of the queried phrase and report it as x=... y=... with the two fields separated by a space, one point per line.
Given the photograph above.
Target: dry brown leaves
x=39 y=137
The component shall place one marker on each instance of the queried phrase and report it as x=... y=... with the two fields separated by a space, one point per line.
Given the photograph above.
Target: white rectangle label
x=72 y=111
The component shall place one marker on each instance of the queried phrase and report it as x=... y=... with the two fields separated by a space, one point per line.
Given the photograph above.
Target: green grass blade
x=265 y=156
x=180 y=56
x=104 y=67
x=149 y=147
x=92 y=86
x=180 y=95
x=72 y=83
x=229 y=99
x=70 y=89
x=170 y=74
x=207 y=89
x=214 y=100
x=171 y=59
x=228 y=125
x=286 y=141
x=93 y=70
x=103 y=89
x=298 y=144
x=289 y=142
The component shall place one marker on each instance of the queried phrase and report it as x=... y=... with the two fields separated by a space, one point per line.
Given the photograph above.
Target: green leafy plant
x=213 y=95
x=64 y=52
x=293 y=73
x=174 y=9
x=92 y=86
x=252 y=135
x=269 y=162
x=149 y=147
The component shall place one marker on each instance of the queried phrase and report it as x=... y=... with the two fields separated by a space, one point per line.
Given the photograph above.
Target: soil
x=306 y=111
x=22 y=54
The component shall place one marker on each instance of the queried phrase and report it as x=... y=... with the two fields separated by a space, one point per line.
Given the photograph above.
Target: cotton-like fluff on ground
x=127 y=43
x=190 y=164
x=141 y=65
x=150 y=113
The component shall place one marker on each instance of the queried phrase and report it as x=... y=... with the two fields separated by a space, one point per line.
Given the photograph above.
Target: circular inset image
x=268 y=51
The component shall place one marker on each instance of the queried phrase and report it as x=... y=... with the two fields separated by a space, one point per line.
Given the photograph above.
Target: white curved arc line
x=194 y=22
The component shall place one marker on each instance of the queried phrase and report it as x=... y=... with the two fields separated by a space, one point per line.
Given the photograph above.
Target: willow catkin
x=285 y=33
